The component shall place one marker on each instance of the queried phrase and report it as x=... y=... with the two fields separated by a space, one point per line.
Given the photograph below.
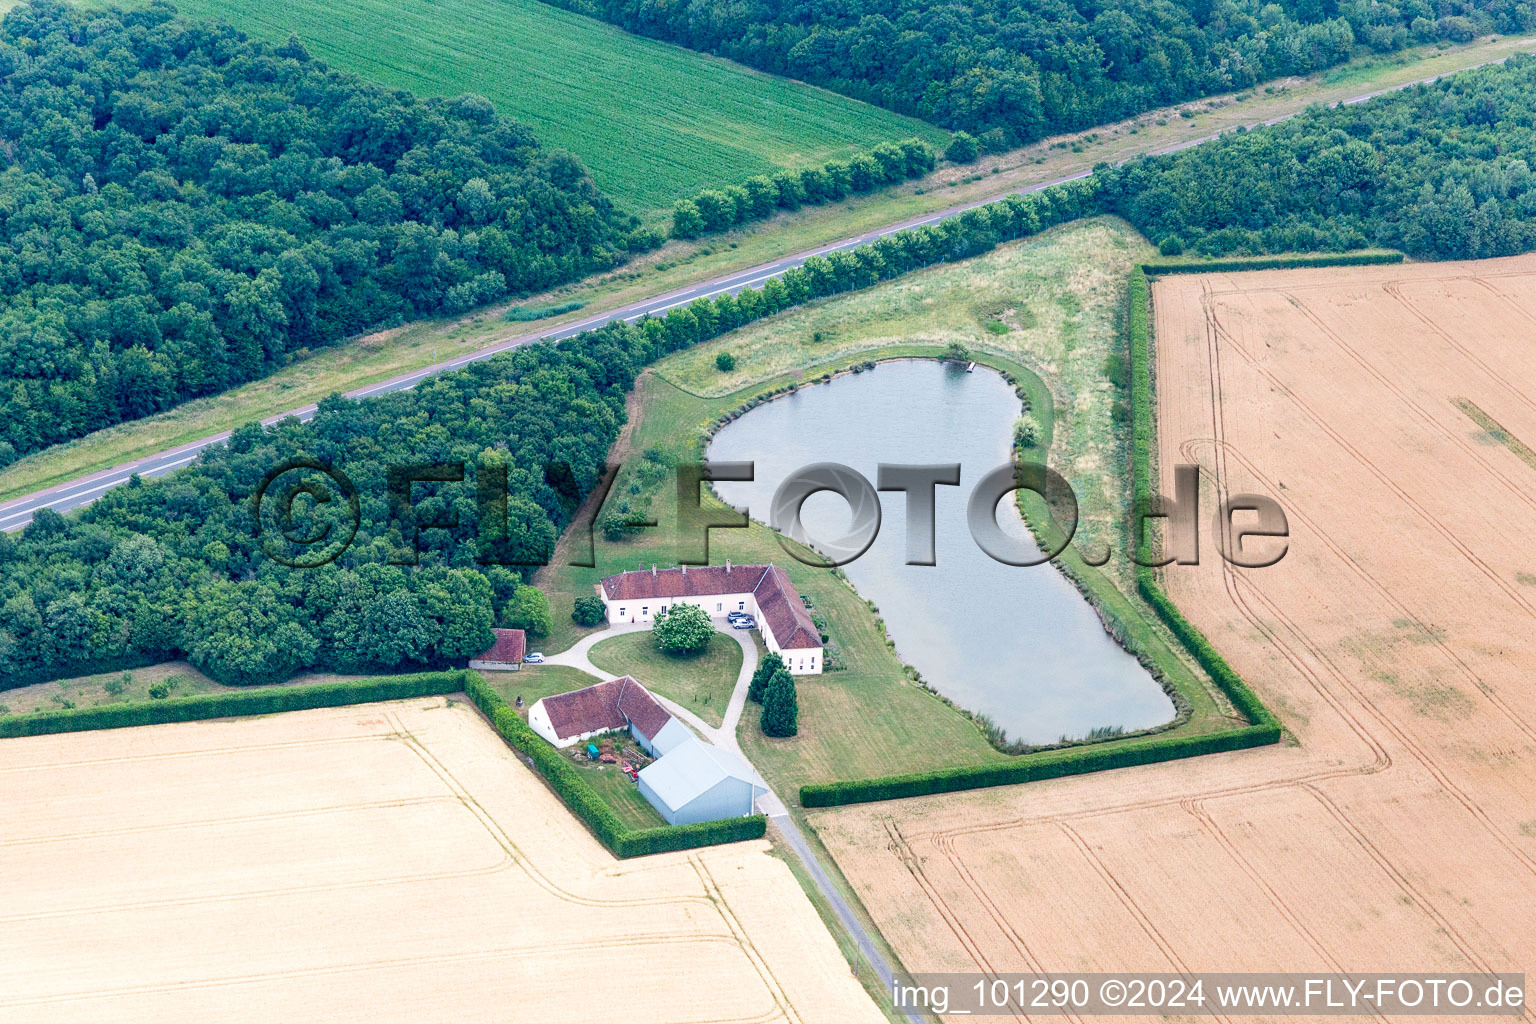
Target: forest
x=191 y=565
x=1014 y=72
x=179 y=567
x=1441 y=171
x=183 y=210
x=185 y=566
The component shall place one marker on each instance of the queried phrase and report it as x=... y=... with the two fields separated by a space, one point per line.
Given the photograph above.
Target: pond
x=1017 y=644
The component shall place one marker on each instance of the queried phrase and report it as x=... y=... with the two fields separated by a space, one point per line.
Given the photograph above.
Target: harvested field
x=389 y=862
x=1392 y=413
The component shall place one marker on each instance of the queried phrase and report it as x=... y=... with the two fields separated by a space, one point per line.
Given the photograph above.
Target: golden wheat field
x=1392 y=413
x=388 y=862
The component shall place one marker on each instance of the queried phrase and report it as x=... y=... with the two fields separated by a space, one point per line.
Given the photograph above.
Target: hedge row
x=230 y=705
x=1338 y=259
x=721 y=209
x=565 y=779
x=1222 y=674
x=1049 y=765
x=971 y=233
x=1138 y=325
x=1139 y=330
x=1264 y=728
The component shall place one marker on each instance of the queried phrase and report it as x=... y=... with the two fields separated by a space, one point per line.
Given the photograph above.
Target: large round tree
x=683 y=629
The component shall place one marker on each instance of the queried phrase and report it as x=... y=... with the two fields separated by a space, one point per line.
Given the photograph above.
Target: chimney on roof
x=685 y=570
x=727 y=565
x=653 y=569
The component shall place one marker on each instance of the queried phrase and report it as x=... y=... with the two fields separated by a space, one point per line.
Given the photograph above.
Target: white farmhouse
x=568 y=718
x=764 y=591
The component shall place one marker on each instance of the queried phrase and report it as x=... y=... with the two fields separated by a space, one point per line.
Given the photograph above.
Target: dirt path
x=623 y=449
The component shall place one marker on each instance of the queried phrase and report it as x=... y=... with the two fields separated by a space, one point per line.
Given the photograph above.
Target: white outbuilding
x=697 y=782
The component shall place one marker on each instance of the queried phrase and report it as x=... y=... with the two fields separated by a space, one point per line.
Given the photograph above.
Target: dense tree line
x=175 y=567
x=1013 y=72
x=889 y=163
x=183 y=209
x=1441 y=171
x=181 y=566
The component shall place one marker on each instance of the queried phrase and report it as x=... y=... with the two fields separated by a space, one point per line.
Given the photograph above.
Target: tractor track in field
x=1270 y=620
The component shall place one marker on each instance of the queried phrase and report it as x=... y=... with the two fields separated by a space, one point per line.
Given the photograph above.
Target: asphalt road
x=80 y=492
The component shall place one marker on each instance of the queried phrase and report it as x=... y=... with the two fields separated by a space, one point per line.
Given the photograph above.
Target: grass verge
x=263 y=701
x=1260 y=727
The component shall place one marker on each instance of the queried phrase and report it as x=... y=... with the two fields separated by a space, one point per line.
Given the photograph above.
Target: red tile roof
x=508 y=648
x=697 y=581
x=641 y=710
x=777 y=599
x=611 y=705
x=785 y=613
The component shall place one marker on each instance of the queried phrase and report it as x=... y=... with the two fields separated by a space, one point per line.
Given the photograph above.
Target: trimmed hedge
x=565 y=779
x=580 y=797
x=1335 y=259
x=1230 y=683
x=1263 y=729
x=1138 y=324
x=231 y=705
x=1032 y=768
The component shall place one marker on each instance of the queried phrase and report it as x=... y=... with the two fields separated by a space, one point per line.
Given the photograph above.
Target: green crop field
x=653 y=122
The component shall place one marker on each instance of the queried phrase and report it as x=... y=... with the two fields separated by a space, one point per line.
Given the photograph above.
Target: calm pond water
x=1018 y=644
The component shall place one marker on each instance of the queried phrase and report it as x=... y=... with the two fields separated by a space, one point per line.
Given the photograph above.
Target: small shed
x=698 y=782
x=505 y=655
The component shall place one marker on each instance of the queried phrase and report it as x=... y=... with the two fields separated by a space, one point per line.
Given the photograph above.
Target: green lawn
x=701 y=683
x=167 y=679
x=653 y=122
x=1054 y=300
x=857 y=722
x=535 y=682
x=1061 y=296
x=621 y=794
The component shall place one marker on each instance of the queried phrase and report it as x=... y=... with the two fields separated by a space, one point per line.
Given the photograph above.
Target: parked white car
x=536 y=658
x=744 y=622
